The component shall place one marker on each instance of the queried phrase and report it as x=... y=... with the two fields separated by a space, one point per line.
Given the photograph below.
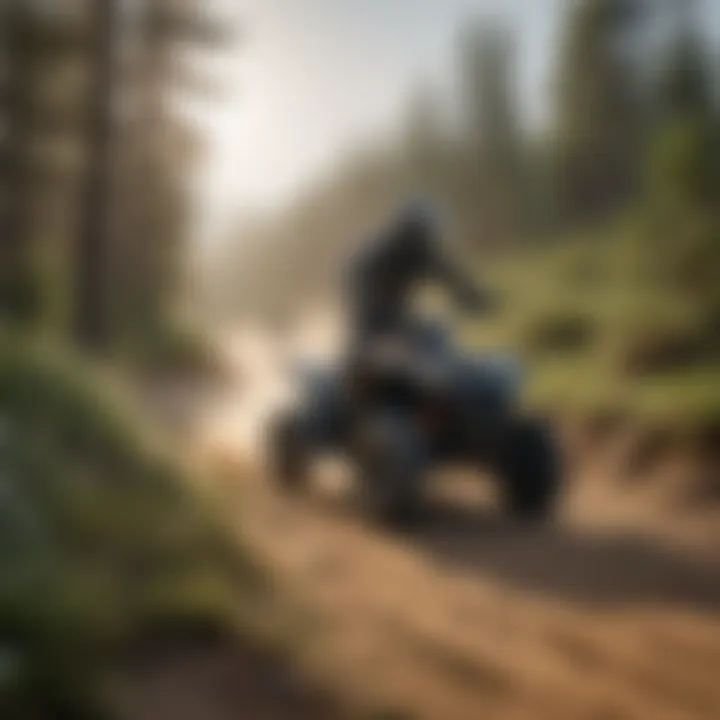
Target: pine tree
x=425 y=139
x=684 y=176
x=685 y=162
x=686 y=82
x=37 y=115
x=96 y=160
x=16 y=290
x=92 y=324
x=491 y=136
x=597 y=119
x=160 y=150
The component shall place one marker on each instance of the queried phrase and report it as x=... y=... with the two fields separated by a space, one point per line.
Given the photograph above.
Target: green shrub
x=172 y=349
x=558 y=332
x=626 y=321
x=102 y=535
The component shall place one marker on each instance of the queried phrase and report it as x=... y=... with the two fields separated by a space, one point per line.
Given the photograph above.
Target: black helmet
x=420 y=229
x=423 y=214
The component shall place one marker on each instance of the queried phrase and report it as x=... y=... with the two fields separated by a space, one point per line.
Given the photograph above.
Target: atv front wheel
x=391 y=460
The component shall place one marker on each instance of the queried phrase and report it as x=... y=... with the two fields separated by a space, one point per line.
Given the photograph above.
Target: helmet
x=420 y=228
x=423 y=214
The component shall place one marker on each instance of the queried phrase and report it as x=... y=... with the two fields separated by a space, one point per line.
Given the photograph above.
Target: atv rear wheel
x=530 y=470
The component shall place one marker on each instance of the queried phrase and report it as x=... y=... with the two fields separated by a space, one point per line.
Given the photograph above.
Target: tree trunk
x=91 y=297
x=16 y=80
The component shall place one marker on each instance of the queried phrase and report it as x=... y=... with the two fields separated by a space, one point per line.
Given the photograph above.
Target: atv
x=415 y=403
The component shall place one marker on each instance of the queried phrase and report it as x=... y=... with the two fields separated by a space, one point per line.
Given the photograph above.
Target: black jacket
x=383 y=277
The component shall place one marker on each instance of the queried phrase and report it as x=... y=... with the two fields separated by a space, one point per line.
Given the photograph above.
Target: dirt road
x=470 y=618
x=610 y=615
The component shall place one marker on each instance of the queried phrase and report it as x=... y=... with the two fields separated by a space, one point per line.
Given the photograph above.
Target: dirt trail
x=607 y=616
x=470 y=618
x=216 y=680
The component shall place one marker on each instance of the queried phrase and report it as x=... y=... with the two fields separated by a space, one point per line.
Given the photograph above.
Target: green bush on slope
x=102 y=537
x=611 y=322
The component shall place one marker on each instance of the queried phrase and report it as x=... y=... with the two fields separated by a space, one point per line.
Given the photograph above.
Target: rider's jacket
x=382 y=277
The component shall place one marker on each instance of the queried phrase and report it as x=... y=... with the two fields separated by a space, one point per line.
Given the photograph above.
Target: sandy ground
x=216 y=681
x=612 y=614
x=472 y=618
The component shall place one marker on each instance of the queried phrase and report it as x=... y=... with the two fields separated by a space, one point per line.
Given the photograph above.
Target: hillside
x=116 y=561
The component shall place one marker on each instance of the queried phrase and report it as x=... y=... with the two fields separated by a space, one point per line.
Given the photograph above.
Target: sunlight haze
x=314 y=78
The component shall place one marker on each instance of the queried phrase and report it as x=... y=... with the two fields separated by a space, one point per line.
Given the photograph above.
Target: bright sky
x=315 y=77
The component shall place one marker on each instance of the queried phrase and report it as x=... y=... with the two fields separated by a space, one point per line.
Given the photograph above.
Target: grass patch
x=103 y=537
x=604 y=324
x=177 y=350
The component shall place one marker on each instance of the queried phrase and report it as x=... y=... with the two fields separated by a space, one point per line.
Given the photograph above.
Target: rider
x=384 y=276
